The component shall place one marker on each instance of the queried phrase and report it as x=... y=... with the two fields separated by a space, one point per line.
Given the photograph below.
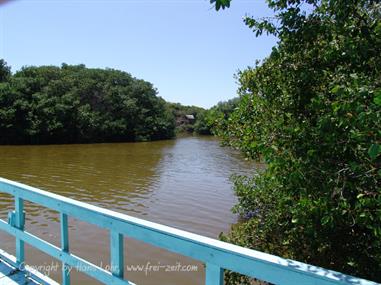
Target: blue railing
x=216 y=255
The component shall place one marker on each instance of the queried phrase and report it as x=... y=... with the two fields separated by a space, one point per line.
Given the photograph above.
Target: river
x=183 y=183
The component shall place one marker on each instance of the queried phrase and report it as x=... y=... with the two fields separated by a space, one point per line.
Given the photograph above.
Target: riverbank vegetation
x=187 y=118
x=216 y=119
x=75 y=104
x=212 y=121
x=312 y=112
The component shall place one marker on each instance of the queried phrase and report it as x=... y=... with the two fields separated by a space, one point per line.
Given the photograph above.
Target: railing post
x=214 y=275
x=116 y=254
x=65 y=248
x=19 y=223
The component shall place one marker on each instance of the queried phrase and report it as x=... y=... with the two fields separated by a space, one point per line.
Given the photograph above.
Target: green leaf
x=336 y=89
x=374 y=151
x=221 y=4
x=325 y=220
x=377 y=99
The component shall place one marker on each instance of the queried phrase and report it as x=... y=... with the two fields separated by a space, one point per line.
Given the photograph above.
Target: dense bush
x=202 y=125
x=311 y=110
x=214 y=120
x=217 y=117
x=75 y=104
x=184 y=125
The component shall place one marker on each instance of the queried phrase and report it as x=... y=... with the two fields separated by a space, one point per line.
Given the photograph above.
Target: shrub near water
x=311 y=110
x=75 y=104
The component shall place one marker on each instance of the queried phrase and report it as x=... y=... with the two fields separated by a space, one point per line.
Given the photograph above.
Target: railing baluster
x=217 y=255
x=19 y=223
x=116 y=254
x=65 y=248
x=214 y=275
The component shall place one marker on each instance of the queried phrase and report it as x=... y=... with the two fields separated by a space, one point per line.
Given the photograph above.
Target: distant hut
x=185 y=119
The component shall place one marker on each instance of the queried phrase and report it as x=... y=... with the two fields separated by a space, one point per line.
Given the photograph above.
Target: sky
x=189 y=51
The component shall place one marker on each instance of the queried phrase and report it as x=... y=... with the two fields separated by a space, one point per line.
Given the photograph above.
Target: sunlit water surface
x=182 y=183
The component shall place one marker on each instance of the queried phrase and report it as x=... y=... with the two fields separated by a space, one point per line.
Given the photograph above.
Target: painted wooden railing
x=216 y=255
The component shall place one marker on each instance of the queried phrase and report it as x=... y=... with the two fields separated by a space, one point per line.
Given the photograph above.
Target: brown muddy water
x=182 y=183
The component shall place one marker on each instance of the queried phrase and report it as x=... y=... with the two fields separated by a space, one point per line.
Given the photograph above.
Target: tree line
x=75 y=104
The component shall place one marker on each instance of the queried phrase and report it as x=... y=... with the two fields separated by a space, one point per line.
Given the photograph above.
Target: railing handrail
x=216 y=254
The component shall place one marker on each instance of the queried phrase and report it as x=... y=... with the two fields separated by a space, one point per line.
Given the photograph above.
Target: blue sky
x=185 y=48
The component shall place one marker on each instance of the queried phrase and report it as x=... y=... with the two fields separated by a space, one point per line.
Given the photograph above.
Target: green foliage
x=211 y=121
x=221 y=4
x=202 y=125
x=5 y=71
x=74 y=104
x=311 y=110
x=184 y=125
x=217 y=117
